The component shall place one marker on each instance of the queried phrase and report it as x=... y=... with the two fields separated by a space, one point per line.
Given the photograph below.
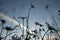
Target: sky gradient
x=18 y=8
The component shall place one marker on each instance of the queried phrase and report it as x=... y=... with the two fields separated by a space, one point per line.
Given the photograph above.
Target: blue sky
x=39 y=13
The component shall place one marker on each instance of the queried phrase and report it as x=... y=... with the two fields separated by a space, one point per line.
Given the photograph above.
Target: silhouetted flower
x=23 y=17
x=9 y=28
x=38 y=24
x=50 y=27
x=32 y=6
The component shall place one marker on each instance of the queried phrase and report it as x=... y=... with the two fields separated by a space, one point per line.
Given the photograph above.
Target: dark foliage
x=27 y=38
x=1 y=38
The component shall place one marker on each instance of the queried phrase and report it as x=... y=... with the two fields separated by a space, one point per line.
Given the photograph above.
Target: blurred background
x=40 y=16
